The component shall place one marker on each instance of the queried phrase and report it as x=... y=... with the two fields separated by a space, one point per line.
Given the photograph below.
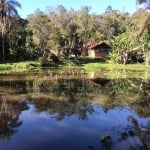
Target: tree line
x=65 y=32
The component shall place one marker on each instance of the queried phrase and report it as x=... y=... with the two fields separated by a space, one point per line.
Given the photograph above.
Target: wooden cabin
x=99 y=50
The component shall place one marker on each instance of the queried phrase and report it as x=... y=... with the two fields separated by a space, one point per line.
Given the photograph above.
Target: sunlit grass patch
x=5 y=67
x=96 y=66
x=18 y=67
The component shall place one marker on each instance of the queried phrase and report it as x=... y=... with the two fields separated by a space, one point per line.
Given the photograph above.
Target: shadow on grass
x=82 y=61
x=94 y=60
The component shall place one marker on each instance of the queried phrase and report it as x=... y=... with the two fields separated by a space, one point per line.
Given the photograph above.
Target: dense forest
x=60 y=33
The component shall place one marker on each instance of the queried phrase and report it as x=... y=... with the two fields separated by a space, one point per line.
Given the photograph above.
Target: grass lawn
x=96 y=66
x=18 y=67
x=25 y=66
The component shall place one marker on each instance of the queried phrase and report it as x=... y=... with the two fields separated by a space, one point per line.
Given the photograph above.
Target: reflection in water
x=75 y=111
x=135 y=136
x=5 y=117
x=40 y=128
x=9 y=118
x=143 y=133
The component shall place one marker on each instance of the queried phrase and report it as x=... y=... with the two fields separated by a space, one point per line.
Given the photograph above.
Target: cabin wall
x=91 y=53
x=97 y=53
x=100 y=54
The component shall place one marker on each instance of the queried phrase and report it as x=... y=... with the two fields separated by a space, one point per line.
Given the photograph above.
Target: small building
x=99 y=50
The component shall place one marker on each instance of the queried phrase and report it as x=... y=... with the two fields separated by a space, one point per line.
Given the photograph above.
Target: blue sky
x=97 y=6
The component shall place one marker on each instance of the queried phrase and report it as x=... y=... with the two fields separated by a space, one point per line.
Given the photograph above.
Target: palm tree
x=7 y=9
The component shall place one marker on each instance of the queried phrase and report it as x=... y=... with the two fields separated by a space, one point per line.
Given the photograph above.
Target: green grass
x=5 y=67
x=24 y=66
x=96 y=66
x=113 y=71
x=69 y=64
x=18 y=67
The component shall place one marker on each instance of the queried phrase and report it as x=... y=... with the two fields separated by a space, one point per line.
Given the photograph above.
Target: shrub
x=114 y=58
x=43 y=61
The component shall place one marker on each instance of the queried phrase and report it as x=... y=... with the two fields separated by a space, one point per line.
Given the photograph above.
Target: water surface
x=74 y=110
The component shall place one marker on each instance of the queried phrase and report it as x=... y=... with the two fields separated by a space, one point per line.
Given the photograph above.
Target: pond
x=74 y=110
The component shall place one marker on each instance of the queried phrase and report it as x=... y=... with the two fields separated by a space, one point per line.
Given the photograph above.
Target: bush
x=43 y=61
x=54 y=58
x=114 y=58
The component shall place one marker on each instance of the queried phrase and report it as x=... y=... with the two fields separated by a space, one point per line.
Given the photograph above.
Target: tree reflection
x=142 y=108
x=74 y=96
x=62 y=109
x=66 y=94
x=9 y=118
x=74 y=86
x=134 y=136
x=142 y=132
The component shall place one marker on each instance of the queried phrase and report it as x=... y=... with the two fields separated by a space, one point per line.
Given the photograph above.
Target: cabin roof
x=99 y=45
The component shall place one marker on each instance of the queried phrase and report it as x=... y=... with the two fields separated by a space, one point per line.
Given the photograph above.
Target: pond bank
x=25 y=66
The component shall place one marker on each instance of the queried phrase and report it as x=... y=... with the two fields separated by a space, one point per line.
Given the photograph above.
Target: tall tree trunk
x=3 y=29
x=3 y=47
x=146 y=51
x=147 y=58
x=145 y=25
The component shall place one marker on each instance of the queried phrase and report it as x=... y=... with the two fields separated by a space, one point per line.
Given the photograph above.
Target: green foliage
x=114 y=58
x=8 y=10
x=43 y=61
x=66 y=33
x=113 y=23
x=121 y=46
x=145 y=39
x=121 y=43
